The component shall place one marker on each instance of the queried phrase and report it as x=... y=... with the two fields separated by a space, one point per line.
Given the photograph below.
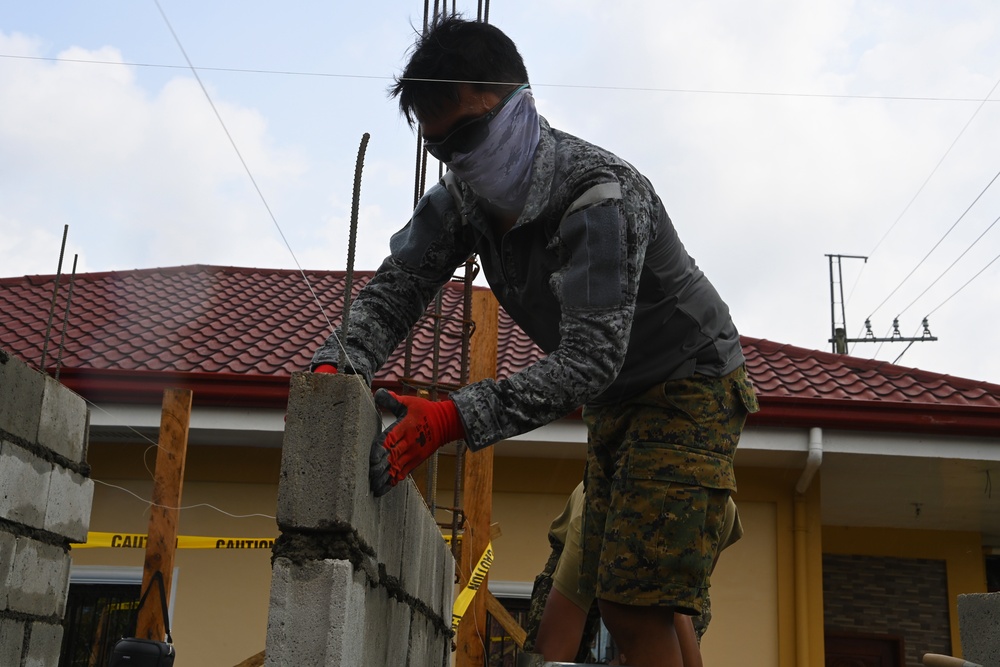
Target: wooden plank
x=477 y=484
x=507 y=622
x=168 y=482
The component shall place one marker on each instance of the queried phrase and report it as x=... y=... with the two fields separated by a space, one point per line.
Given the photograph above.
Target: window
x=503 y=650
x=97 y=615
x=100 y=610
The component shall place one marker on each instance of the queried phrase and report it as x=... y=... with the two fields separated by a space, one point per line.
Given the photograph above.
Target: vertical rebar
x=62 y=336
x=351 y=243
x=55 y=291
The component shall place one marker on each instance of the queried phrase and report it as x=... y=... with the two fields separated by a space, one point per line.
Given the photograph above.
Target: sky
x=777 y=132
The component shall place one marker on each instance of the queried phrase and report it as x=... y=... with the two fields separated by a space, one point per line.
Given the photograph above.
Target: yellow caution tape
x=97 y=540
x=469 y=592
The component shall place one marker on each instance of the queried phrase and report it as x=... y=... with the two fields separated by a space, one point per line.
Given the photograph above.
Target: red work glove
x=420 y=429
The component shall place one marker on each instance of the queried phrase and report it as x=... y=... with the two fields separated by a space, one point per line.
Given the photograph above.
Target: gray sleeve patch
x=598 y=193
x=593 y=277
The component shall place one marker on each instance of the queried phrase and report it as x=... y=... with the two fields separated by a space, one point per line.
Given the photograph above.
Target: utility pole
x=838 y=328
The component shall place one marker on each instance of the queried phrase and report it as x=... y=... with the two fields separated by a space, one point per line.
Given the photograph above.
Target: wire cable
x=260 y=193
x=154 y=445
x=950 y=266
x=183 y=507
x=929 y=252
x=239 y=155
x=936 y=166
x=649 y=89
x=979 y=273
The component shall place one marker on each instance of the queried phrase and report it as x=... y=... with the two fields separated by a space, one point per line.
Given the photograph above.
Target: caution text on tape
x=97 y=540
x=470 y=590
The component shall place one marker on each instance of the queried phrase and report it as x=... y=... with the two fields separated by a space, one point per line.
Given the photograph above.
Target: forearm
x=587 y=361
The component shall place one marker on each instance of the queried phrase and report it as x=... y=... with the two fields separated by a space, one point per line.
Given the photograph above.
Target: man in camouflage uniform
x=579 y=250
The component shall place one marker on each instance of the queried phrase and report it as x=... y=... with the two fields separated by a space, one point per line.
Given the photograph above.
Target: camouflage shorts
x=659 y=475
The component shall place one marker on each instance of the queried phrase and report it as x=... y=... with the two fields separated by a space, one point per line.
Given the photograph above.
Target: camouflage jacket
x=592 y=271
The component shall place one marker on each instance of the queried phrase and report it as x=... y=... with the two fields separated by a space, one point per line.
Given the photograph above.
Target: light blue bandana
x=499 y=169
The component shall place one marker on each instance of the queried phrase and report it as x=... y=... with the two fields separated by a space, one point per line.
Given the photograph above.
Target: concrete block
x=316 y=614
x=414 y=576
x=323 y=612
x=62 y=425
x=8 y=546
x=434 y=573
x=331 y=421
x=39 y=578
x=391 y=510
x=71 y=497
x=448 y=584
x=424 y=556
x=397 y=640
x=63 y=599
x=376 y=611
x=21 y=389
x=11 y=641
x=24 y=485
x=44 y=645
x=387 y=628
x=428 y=647
x=979 y=627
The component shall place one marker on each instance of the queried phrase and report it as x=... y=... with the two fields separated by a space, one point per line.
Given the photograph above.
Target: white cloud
x=760 y=185
x=142 y=179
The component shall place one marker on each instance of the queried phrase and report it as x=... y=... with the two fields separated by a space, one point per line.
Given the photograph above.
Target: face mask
x=499 y=168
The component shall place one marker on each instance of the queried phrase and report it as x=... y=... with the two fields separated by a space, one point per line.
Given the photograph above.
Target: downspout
x=813 y=462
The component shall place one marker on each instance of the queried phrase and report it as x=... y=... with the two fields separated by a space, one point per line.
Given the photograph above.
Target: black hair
x=455 y=51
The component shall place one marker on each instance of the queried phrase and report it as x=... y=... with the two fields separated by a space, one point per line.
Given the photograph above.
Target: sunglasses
x=469 y=134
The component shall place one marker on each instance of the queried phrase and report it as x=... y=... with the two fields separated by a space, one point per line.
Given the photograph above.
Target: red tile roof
x=234 y=335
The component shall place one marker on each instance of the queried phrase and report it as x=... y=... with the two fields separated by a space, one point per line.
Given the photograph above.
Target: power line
x=936 y=166
x=929 y=252
x=650 y=89
x=950 y=266
x=936 y=308
x=979 y=273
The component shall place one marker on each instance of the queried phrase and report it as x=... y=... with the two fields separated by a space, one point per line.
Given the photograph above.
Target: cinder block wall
x=45 y=501
x=355 y=580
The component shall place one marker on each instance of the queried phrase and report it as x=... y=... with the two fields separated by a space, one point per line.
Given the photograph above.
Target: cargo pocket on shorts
x=745 y=390
x=658 y=521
